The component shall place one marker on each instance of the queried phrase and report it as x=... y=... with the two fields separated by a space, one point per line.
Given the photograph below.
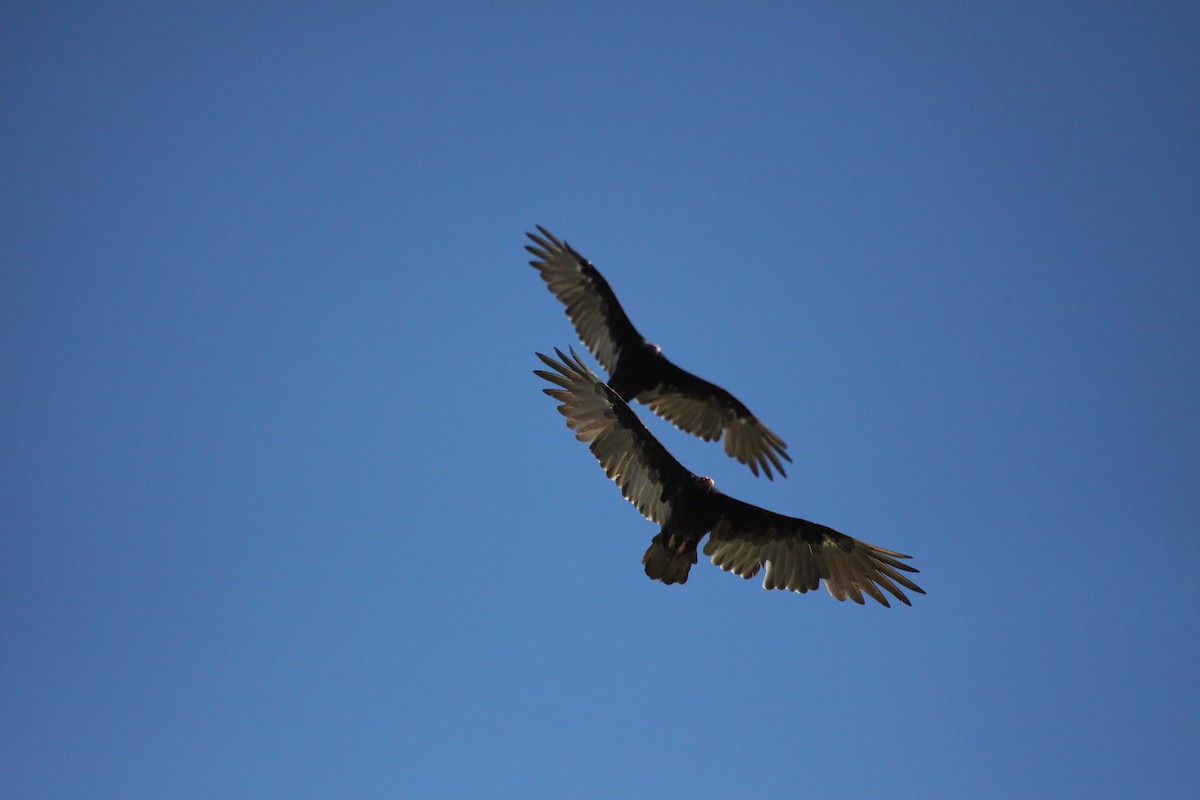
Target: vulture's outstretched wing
x=593 y=308
x=647 y=475
x=799 y=554
x=706 y=410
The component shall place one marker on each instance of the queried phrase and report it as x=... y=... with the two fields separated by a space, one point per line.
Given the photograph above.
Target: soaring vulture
x=637 y=369
x=797 y=554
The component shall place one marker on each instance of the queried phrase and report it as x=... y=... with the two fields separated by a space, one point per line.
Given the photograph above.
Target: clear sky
x=284 y=512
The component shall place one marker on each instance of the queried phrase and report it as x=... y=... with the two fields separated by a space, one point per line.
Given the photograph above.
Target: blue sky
x=285 y=513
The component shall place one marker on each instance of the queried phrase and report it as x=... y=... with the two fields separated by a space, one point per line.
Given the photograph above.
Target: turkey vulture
x=798 y=554
x=637 y=369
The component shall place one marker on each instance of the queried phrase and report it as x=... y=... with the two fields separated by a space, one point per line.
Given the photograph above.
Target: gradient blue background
x=285 y=514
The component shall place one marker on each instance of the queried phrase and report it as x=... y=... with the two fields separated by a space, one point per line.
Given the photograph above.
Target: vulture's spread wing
x=647 y=475
x=799 y=554
x=593 y=308
x=706 y=410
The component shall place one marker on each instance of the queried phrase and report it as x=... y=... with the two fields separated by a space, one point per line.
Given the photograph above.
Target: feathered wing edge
x=799 y=554
x=711 y=412
x=642 y=468
x=750 y=442
x=590 y=302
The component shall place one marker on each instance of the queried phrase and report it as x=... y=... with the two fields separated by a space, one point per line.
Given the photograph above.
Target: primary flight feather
x=637 y=369
x=797 y=554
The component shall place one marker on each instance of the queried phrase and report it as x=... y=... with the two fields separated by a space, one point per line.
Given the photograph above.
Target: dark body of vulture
x=743 y=538
x=637 y=369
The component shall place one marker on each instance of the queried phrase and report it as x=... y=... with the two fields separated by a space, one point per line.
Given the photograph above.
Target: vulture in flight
x=743 y=538
x=637 y=369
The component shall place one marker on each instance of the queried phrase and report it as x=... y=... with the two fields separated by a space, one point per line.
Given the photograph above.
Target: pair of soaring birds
x=742 y=538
